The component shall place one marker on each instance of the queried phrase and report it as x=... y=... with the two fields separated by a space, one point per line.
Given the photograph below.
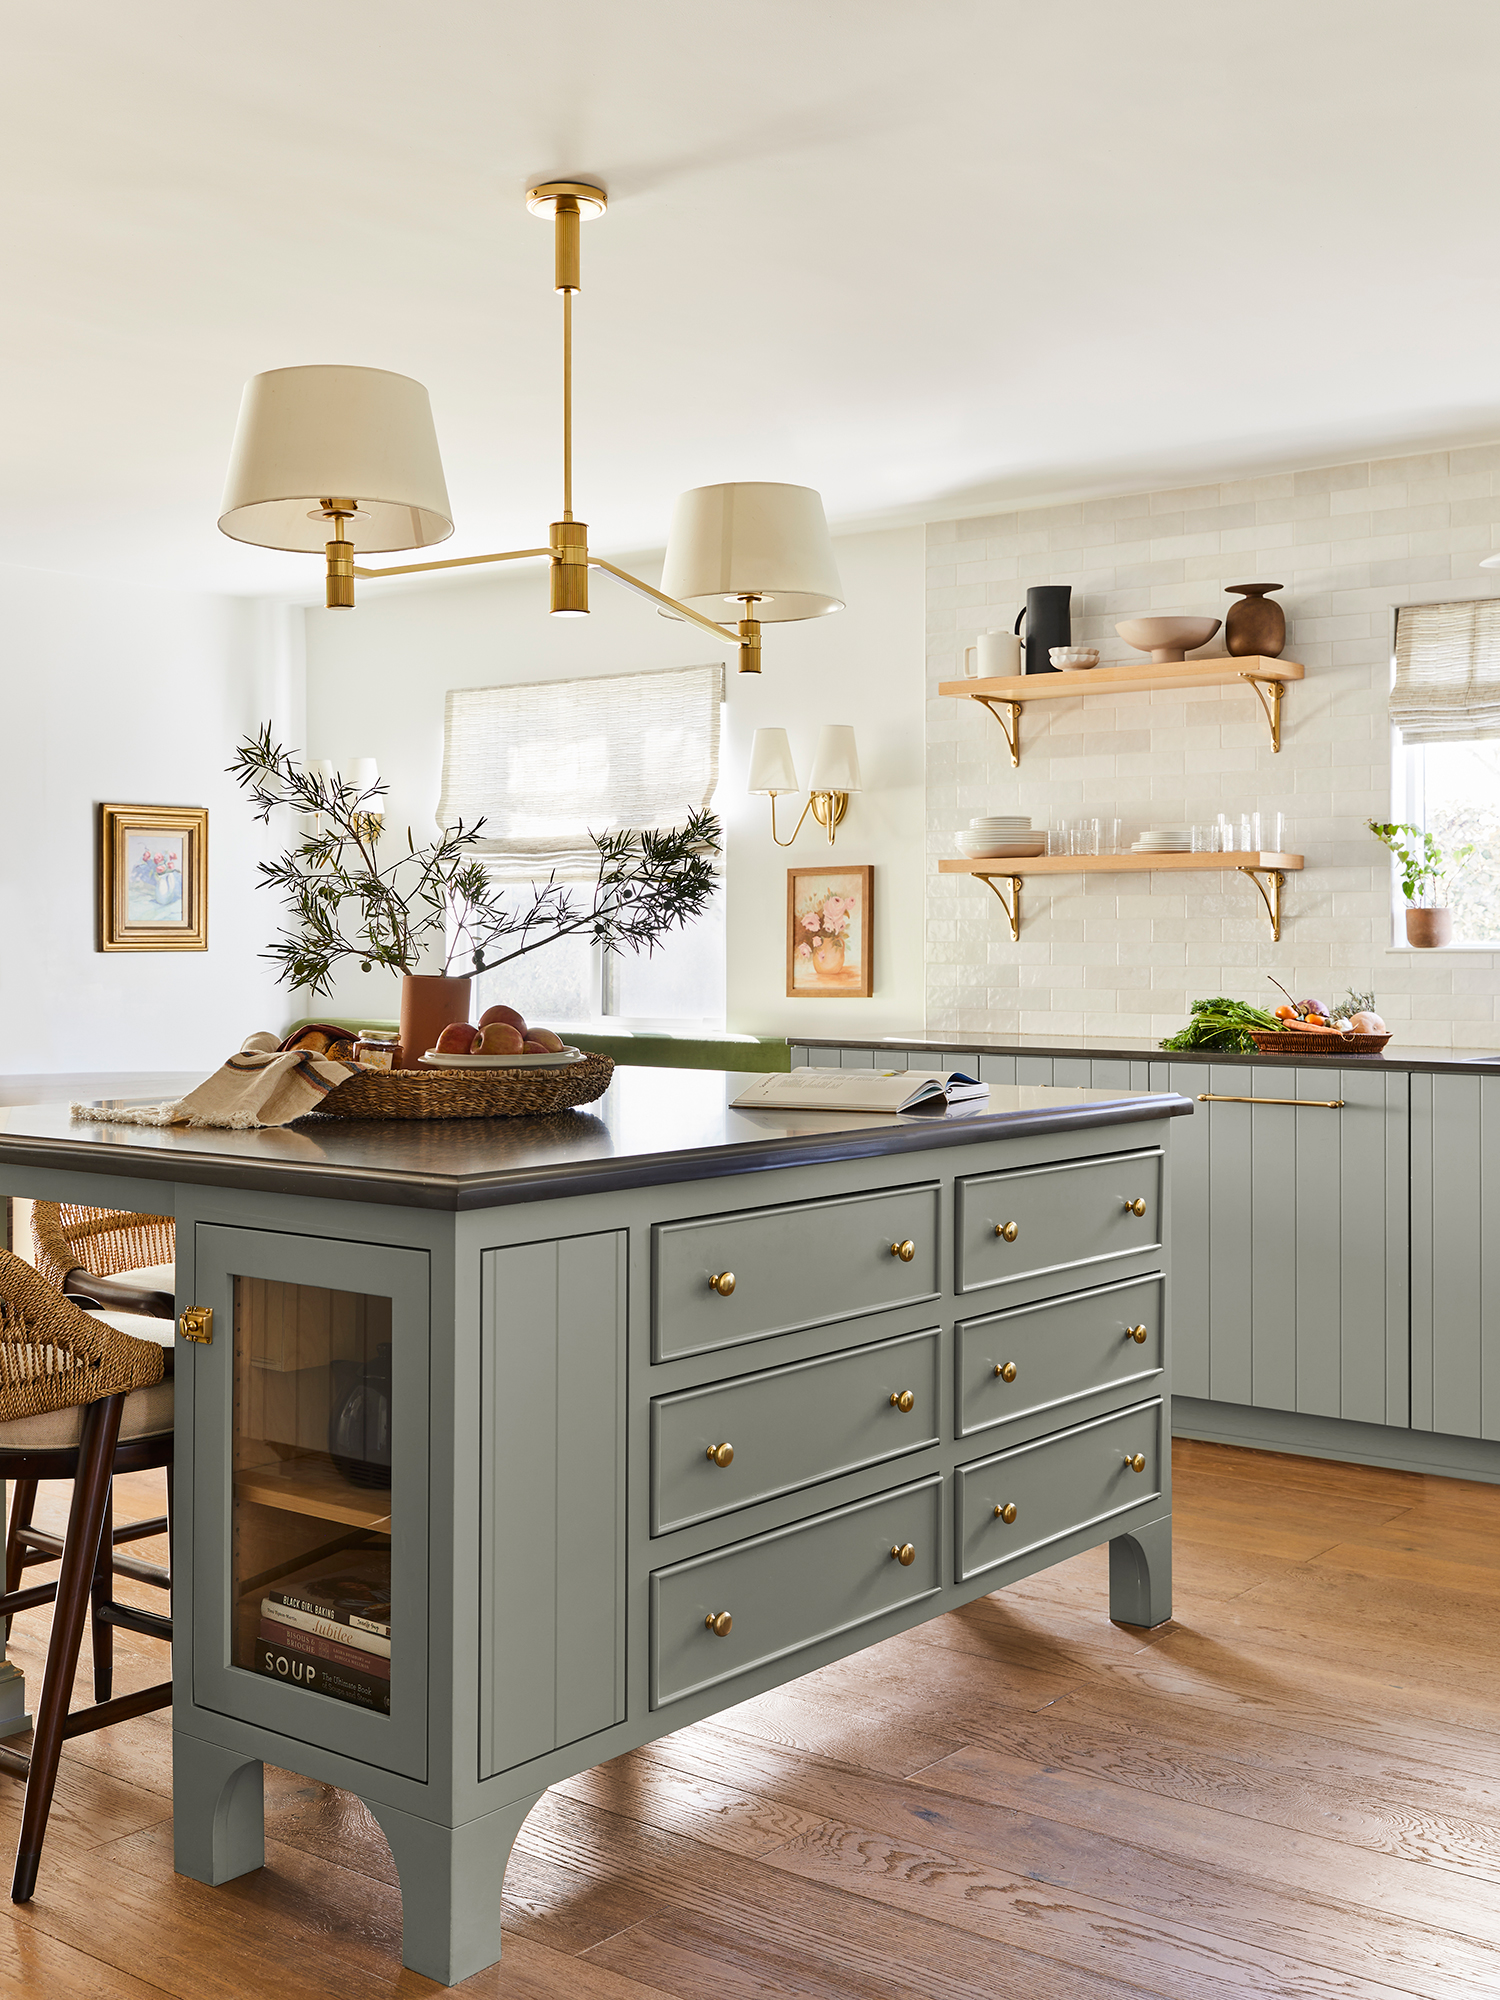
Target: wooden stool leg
x=102 y=1590
x=96 y=1452
x=171 y=1545
x=23 y=1502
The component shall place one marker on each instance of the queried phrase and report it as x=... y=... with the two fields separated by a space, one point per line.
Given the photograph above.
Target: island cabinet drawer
x=1019 y=1500
x=1033 y=1220
x=1040 y=1357
x=733 y=1443
x=742 y=1607
x=723 y=1279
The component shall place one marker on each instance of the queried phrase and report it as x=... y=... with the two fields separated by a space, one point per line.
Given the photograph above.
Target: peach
x=457 y=1039
x=506 y=1014
x=499 y=1038
x=545 y=1039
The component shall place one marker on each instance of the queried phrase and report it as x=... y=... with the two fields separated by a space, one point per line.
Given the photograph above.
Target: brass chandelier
x=356 y=447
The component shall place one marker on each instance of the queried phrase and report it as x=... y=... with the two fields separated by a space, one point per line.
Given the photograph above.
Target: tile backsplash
x=1126 y=954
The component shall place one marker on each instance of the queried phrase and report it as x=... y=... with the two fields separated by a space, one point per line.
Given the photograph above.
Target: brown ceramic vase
x=1254 y=625
x=429 y=1001
x=1426 y=929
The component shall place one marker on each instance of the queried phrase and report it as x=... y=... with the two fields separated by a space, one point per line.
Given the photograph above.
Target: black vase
x=1049 y=623
x=359 y=1428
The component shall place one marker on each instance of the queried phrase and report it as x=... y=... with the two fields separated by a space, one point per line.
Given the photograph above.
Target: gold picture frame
x=830 y=932
x=153 y=878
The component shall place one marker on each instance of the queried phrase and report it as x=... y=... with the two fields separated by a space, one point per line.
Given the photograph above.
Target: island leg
x=1140 y=1574
x=218 y=1811
x=451 y=1878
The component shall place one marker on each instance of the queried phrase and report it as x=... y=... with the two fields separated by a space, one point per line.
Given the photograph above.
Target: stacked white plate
x=1165 y=840
x=1000 y=834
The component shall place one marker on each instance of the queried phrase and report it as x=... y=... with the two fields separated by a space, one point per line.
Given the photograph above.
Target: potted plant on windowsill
x=1425 y=869
x=439 y=898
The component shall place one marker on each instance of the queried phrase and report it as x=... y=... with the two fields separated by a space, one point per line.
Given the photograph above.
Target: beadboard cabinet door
x=1455 y=1261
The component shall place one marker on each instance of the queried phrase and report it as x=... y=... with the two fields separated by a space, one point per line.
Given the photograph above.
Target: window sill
x=1442 y=950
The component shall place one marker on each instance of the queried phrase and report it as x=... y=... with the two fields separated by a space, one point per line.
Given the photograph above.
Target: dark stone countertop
x=652 y=1126
x=1395 y=1055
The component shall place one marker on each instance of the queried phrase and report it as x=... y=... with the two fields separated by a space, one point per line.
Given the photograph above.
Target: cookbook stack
x=327 y=1629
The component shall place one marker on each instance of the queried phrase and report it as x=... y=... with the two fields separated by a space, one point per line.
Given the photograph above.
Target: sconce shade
x=771 y=766
x=363 y=773
x=836 y=764
x=307 y=435
x=757 y=537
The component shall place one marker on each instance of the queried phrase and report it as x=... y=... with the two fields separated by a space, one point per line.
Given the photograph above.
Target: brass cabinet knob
x=722 y=1454
x=904 y=1553
x=1009 y=1230
x=905 y=1251
x=902 y=1399
x=197 y=1324
x=1007 y=1513
x=1138 y=1206
x=1136 y=1464
x=723 y=1283
x=1137 y=1334
x=1006 y=1370
x=719 y=1622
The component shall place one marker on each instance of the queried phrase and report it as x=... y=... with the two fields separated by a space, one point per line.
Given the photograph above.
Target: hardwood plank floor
x=1291 y=1789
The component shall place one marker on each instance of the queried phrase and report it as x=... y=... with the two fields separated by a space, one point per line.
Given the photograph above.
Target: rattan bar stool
x=81 y=1398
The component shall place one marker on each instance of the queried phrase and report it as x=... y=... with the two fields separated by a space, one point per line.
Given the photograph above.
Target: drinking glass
x=1088 y=837
x=1113 y=831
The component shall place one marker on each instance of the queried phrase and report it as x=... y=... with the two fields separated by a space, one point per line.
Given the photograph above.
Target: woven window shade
x=1447 y=671
x=549 y=763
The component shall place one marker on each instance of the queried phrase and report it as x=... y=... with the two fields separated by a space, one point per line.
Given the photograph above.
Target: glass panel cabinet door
x=310 y=1490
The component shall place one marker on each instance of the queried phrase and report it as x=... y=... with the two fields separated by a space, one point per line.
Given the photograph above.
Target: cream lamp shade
x=759 y=539
x=307 y=435
x=364 y=774
x=836 y=762
x=771 y=766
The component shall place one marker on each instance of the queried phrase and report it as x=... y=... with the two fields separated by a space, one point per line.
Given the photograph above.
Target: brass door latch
x=197 y=1324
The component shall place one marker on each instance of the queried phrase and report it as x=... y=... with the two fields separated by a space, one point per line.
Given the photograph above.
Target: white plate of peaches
x=502 y=1040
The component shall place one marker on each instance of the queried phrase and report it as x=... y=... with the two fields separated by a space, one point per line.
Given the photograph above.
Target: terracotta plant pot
x=1428 y=928
x=1254 y=625
x=429 y=1001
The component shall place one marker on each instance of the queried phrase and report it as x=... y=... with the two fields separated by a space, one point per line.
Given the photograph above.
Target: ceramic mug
x=997 y=655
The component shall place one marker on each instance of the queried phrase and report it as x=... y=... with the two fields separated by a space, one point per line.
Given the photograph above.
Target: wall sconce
x=364 y=776
x=835 y=774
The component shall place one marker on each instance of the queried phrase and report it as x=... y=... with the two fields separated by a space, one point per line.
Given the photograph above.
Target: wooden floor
x=1294 y=1788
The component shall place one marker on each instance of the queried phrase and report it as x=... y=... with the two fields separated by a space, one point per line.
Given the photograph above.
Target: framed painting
x=830 y=933
x=153 y=878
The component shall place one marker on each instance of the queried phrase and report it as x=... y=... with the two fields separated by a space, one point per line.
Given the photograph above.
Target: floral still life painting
x=153 y=878
x=830 y=933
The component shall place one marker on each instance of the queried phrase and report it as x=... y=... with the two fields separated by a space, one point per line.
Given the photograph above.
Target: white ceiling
x=919 y=256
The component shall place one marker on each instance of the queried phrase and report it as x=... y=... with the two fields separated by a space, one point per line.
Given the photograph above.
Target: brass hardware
x=904 y=1553
x=1136 y=1464
x=723 y=1283
x=721 y=1454
x=1298 y=1103
x=1012 y=728
x=905 y=1251
x=1276 y=691
x=1009 y=1230
x=719 y=1623
x=1006 y=1370
x=749 y=663
x=1137 y=1334
x=1007 y=1513
x=570 y=568
x=1012 y=905
x=588 y=200
x=197 y=1324
x=1138 y=1206
x=903 y=1400
x=827 y=808
x=1272 y=897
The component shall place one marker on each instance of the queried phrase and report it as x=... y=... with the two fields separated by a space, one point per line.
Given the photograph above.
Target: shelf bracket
x=1012 y=727
x=1011 y=904
x=1270 y=694
x=1270 y=896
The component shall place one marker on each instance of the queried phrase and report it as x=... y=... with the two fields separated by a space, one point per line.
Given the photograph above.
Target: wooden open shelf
x=1256 y=864
x=315 y=1486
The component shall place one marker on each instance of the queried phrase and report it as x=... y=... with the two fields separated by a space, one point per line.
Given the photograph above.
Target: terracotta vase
x=1426 y=929
x=1254 y=625
x=429 y=1001
x=828 y=955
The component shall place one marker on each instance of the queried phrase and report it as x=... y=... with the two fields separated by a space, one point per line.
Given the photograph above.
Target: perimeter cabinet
x=1455 y=1255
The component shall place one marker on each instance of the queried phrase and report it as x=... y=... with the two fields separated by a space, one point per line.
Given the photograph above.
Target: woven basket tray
x=1305 y=1042
x=468 y=1093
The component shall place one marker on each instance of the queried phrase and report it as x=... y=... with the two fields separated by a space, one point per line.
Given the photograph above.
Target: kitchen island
x=605 y=1422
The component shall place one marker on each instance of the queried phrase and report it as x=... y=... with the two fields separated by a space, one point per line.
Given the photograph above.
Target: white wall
x=1128 y=954
x=137 y=696
x=376 y=679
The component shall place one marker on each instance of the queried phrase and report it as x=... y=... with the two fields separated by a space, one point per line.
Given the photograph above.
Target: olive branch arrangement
x=648 y=883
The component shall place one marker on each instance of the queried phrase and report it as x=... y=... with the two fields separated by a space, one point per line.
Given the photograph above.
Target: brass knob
x=723 y=1283
x=902 y=1400
x=1009 y=1230
x=722 y=1454
x=905 y=1251
x=1007 y=1513
x=1006 y=1370
x=719 y=1622
x=1138 y=1206
x=904 y=1553
x=1136 y=1464
x=1137 y=1334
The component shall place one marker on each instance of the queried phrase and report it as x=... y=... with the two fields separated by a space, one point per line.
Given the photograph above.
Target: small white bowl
x=1074 y=659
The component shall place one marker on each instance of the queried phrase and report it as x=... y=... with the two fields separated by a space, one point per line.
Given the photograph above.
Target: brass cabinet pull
x=904 y=1553
x=1136 y=1464
x=1006 y=1370
x=1009 y=1230
x=1007 y=1513
x=719 y=1623
x=1138 y=1206
x=1298 y=1103
x=722 y=1454
x=723 y=1283
x=197 y=1324
x=905 y=1251
x=1137 y=1334
x=902 y=1399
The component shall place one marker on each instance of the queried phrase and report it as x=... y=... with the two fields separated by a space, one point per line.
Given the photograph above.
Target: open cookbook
x=860 y=1090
